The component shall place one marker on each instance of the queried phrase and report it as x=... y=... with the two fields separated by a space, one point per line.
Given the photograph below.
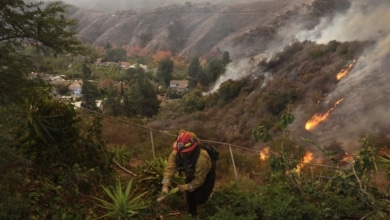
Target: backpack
x=211 y=150
x=188 y=167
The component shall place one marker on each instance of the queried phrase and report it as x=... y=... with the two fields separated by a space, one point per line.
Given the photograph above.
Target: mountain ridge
x=196 y=29
x=137 y=5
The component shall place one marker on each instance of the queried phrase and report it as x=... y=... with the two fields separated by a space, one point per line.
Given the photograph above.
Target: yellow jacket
x=202 y=168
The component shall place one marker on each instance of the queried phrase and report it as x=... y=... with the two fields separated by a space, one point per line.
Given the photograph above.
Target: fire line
x=345 y=71
x=318 y=118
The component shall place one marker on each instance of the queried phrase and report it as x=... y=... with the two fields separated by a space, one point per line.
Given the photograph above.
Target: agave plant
x=151 y=174
x=385 y=160
x=121 y=154
x=122 y=204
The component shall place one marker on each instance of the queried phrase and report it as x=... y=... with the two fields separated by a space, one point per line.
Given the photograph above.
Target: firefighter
x=190 y=159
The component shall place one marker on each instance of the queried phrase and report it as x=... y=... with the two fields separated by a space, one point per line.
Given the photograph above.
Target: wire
x=204 y=140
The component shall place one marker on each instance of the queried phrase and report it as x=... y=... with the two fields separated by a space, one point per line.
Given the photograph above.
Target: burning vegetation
x=264 y=154
x=346 y=70
x=318 y=118
x=305 y=160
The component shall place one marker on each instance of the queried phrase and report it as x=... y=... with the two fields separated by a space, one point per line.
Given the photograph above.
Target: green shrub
x=233 y=203
x=122 y=203
x=121 y=154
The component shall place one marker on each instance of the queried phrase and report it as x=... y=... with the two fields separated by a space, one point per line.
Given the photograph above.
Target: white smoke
x=285 y=35
x=234 y=71
x=238 y=70
x=365 y=89
x=361 y=22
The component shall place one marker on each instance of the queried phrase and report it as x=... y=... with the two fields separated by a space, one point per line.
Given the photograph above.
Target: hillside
x=254 y=33
x=200 y=29
x=304 y=75
x=135 y=5
x=318 y=71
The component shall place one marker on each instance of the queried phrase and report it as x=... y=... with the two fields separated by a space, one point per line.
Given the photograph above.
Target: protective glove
x=184 y=187
x=165 y=189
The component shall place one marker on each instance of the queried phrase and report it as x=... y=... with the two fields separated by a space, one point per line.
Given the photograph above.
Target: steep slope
x=255 y=32
x=136 y=5
x=194 y=29
x=305 y=75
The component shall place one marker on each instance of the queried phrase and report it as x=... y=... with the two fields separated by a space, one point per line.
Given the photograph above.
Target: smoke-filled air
x=136 y=5
x=359 y=104
x=361 y=101
x=364 y=91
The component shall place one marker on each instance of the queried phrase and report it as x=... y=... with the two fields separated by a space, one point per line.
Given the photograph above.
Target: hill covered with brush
x=202 y=29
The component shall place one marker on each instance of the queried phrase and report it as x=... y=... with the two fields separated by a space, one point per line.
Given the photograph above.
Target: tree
x=164 y=71
x=89 y=91
x=30 y=24
x=107 y=46
x=112 y=101
x=194 y=72
x=132 y=74
x=193 y=101
x=214 y=69
x=225 y=59
x=142 y=98
x=229 y=90
x=54 y=162
x=116 y=54
x=60 y=155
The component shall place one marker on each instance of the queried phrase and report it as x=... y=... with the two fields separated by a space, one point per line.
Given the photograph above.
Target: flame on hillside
x=318 y=118
x=347 y=158
x=346 y=70
x=264 y=154
x=305 y=160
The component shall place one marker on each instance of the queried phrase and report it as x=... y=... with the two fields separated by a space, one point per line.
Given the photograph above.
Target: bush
x=122 y=203
x=233 y=203
x=230 y=90
x=193 y=101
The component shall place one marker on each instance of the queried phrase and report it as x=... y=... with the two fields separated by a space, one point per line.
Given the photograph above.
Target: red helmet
x=185 y=142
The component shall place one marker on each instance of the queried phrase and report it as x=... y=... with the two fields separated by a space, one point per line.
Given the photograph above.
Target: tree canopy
x=116 y=54
x=141 y=98
x=48 y=158
x=194 y=72
x=165 y=70
x=22 y=24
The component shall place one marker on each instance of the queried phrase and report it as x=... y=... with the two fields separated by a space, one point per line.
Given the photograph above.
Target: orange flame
x=264 y=154
x=347 y=158
x=305 y=160
x=346 y=70
x=318 y=118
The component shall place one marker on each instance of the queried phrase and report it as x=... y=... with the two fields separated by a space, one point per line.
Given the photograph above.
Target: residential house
x=179 y=85
x=125 y=65
x=107 y=64
x=119 y=86
x=75 y=88
x=144 y=67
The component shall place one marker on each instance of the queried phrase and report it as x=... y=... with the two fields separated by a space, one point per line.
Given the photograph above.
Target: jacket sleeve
x=203 y=166
x=170 y=169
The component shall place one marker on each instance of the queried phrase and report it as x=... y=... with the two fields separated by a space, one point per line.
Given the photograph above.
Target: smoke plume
x=365 y=89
